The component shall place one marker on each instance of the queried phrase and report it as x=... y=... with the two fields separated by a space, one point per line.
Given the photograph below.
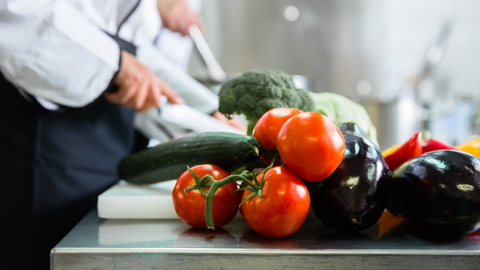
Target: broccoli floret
x=257 y=91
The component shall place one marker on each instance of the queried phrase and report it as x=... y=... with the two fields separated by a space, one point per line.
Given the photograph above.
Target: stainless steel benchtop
x=97 y=243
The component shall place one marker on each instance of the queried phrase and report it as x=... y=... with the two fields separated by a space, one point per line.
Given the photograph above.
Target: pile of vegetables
x=275 y=201
x=314 y=151
x=297 y=148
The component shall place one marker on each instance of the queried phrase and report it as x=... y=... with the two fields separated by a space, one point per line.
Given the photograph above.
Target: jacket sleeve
x=50 y=50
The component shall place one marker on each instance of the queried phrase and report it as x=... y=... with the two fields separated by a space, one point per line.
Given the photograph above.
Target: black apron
x=53 y=165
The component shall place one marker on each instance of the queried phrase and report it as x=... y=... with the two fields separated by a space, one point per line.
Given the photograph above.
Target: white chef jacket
x=58 y=50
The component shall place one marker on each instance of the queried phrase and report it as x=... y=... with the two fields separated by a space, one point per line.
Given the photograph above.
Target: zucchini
x=169 y=160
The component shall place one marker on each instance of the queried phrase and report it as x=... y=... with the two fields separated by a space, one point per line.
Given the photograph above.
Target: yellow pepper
x=391 y=149
x=472 y=146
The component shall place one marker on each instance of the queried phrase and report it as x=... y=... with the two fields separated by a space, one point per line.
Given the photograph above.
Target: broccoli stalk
x=257 y=91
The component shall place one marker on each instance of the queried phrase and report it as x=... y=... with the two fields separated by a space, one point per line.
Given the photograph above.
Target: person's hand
x=232 y=122
x=138 y=88
x=177 y=16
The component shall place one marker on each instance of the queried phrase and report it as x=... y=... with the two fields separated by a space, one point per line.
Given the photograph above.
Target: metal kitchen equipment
x=96 y=243
x=405 y=106
x=323 y=40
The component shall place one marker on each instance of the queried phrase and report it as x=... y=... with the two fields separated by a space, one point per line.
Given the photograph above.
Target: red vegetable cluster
x=275 y=201
x=414 y=147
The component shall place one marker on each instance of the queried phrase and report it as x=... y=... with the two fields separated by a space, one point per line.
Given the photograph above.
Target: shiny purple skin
x=355 y=195
x=440 y=191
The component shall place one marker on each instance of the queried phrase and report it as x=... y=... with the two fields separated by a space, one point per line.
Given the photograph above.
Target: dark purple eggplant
x=440 y=191
x=355 y=195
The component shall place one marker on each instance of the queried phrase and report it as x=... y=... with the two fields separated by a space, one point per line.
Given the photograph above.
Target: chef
x=72 y=74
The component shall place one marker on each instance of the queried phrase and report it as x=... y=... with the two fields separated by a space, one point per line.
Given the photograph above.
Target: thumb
x=168 y=92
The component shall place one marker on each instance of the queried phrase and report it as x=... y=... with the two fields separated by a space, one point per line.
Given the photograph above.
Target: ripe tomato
x=191 y=209
x=283 y=209
x=311 y=146
x=267 y=127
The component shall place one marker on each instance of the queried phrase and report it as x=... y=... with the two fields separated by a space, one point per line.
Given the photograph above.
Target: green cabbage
x=339 y=109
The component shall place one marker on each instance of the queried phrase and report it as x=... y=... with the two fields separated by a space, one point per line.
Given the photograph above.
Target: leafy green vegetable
x=339 y=109
x=257 y=91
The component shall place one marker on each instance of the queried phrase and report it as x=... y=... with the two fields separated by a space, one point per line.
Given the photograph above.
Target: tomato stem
x=200 y=184
x=208 y=181
x=216 y=185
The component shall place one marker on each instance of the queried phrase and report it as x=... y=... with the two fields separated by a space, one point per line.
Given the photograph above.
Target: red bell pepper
x=410 y=149
x=432 y=145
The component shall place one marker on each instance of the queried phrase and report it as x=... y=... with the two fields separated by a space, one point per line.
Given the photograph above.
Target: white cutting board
x=129 y=201
x=125 y=200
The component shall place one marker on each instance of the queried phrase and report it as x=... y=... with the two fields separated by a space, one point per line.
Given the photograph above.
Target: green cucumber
x=168 y=160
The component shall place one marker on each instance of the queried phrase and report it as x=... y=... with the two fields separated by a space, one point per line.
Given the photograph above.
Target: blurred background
x=412 y=64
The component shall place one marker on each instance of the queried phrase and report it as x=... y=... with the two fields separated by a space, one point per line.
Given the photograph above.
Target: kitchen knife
x=216 y=72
